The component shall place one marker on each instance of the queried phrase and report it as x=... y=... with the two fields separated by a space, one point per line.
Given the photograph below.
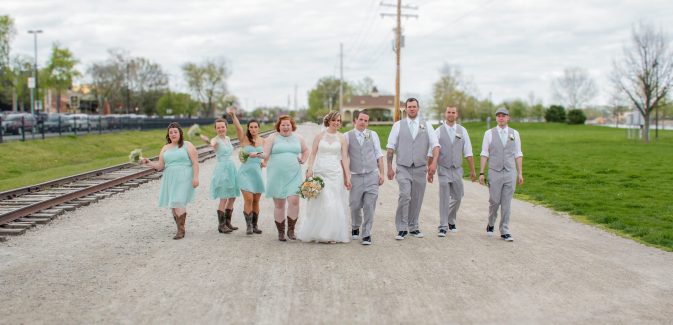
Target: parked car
x=51 y=123
x=78 y=121
x=11 y=124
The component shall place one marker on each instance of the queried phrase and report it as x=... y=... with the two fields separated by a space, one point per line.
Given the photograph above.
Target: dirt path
x=115 y=262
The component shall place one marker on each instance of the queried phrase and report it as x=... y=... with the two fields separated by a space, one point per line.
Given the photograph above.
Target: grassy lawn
x=36 y=161
x=596 y=175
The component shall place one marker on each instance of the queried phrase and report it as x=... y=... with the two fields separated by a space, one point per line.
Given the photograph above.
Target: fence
x=27 y=127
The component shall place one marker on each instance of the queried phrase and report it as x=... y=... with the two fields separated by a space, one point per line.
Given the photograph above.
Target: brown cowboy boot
x=227 y=218
x=281 y=230
x=181 y=226
x=290 y=227
x=248 y=223
x=222 y=227
x=255 y=217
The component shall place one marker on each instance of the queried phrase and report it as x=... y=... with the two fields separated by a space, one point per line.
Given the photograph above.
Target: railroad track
x=26 y=207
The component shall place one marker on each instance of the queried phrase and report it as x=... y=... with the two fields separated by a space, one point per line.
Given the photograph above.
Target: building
x=380 y=108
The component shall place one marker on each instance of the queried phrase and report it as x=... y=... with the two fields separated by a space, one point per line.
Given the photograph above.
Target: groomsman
x=367 y=174
x=455 y=143
x=501 y=148
x=414 y=140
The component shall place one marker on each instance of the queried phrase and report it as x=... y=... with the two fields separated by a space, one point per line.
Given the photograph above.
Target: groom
x=417 y=148
x=367 y=174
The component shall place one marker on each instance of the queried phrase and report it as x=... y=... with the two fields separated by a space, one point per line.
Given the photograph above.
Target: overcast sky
x=508 y=48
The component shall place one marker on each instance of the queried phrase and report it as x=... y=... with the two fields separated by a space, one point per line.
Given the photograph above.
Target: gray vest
x=412 y=151
x=362 y=157
x=501 y=157
x=451 y=154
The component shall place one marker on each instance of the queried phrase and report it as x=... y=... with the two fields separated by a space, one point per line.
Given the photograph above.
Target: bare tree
x=207 y=81
x=574 y=89
x=645 y=74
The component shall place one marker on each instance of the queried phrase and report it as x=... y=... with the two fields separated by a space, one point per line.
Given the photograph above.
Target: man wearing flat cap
x=501 y=148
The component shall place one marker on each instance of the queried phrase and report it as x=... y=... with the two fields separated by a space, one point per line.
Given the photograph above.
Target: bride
x=326 y=216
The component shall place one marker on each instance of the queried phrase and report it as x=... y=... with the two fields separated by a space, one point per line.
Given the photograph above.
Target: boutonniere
x=511 y=137
x=367 y=134
x=421 y=126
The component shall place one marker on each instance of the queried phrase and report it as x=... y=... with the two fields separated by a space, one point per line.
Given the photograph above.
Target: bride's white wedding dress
x=326 y=218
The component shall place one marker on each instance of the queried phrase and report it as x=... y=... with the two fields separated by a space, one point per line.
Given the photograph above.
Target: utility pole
x=398 y=48
x=341 y=78
x=295 y=97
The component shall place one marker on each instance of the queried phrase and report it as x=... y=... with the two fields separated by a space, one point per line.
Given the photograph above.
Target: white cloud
x=509 y=48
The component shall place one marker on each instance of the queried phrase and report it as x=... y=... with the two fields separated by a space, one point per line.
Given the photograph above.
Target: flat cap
x=501 y=110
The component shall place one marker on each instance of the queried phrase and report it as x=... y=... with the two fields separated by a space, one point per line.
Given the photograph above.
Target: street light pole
x=37 y=95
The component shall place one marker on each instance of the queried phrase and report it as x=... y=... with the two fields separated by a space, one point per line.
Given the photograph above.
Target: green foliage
x=177 y=103
x=325 y=96
x=518 y=109
x=60 y=70
x=576 y=116
x=7 y=81
x=555 y=113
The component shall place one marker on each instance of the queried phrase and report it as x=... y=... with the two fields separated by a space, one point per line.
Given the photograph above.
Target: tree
x=172 y=103
x=207 y=81
x=60 y=71
x=645 y=73
x=518 y=109
x=453 y=89
x=576 y=116
x=129 y=82
x=555 y=113
x=21 y=69
x=364 y=87
x=7 y=81
x=325 y=96
x=575 y=88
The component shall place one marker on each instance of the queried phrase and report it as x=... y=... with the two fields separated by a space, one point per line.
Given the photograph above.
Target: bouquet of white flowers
x=311 y=187
x=243 y=156
x=194 y=131
x=136 y=156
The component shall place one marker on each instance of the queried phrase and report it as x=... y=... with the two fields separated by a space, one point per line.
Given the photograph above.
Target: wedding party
x=343 y=171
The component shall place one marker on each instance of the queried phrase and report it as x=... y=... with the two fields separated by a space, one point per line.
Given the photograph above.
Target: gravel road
x=115 y=262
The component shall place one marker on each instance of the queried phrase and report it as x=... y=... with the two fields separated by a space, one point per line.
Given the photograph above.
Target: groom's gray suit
x=364 y=178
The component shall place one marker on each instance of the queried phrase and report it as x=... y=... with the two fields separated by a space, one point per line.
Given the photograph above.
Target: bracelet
x=481 y=174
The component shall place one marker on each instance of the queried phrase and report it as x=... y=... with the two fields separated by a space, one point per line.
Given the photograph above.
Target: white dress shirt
x=395 y=131
x=487 y=142
x=467 y=144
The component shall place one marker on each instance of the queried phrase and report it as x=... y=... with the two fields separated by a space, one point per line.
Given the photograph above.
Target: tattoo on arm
x=390 y=157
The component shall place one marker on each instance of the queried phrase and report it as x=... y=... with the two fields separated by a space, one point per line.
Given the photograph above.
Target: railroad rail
x=23 y=208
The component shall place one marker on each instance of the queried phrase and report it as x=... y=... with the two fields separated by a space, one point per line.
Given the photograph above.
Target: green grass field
x=596 y=175
x=36 y=161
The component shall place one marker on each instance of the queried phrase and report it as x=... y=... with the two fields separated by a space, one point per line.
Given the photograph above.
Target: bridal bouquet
x=311 y=187
x=243 y=156
x=194 y=131
x=136 y=155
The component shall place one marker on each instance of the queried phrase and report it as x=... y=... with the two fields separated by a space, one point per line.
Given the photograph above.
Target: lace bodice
x=329 y=146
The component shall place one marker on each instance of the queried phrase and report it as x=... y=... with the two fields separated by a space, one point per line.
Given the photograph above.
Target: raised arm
x=314 y=151
x=239 y=129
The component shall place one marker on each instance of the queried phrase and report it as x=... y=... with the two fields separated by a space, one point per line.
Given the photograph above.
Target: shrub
x=555 y=113
x=576 y=116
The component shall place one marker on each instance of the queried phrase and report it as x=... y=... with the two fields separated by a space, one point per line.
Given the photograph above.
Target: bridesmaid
x=285 y=152
x=250 y=173
x=223 y=185
x=179 y=160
